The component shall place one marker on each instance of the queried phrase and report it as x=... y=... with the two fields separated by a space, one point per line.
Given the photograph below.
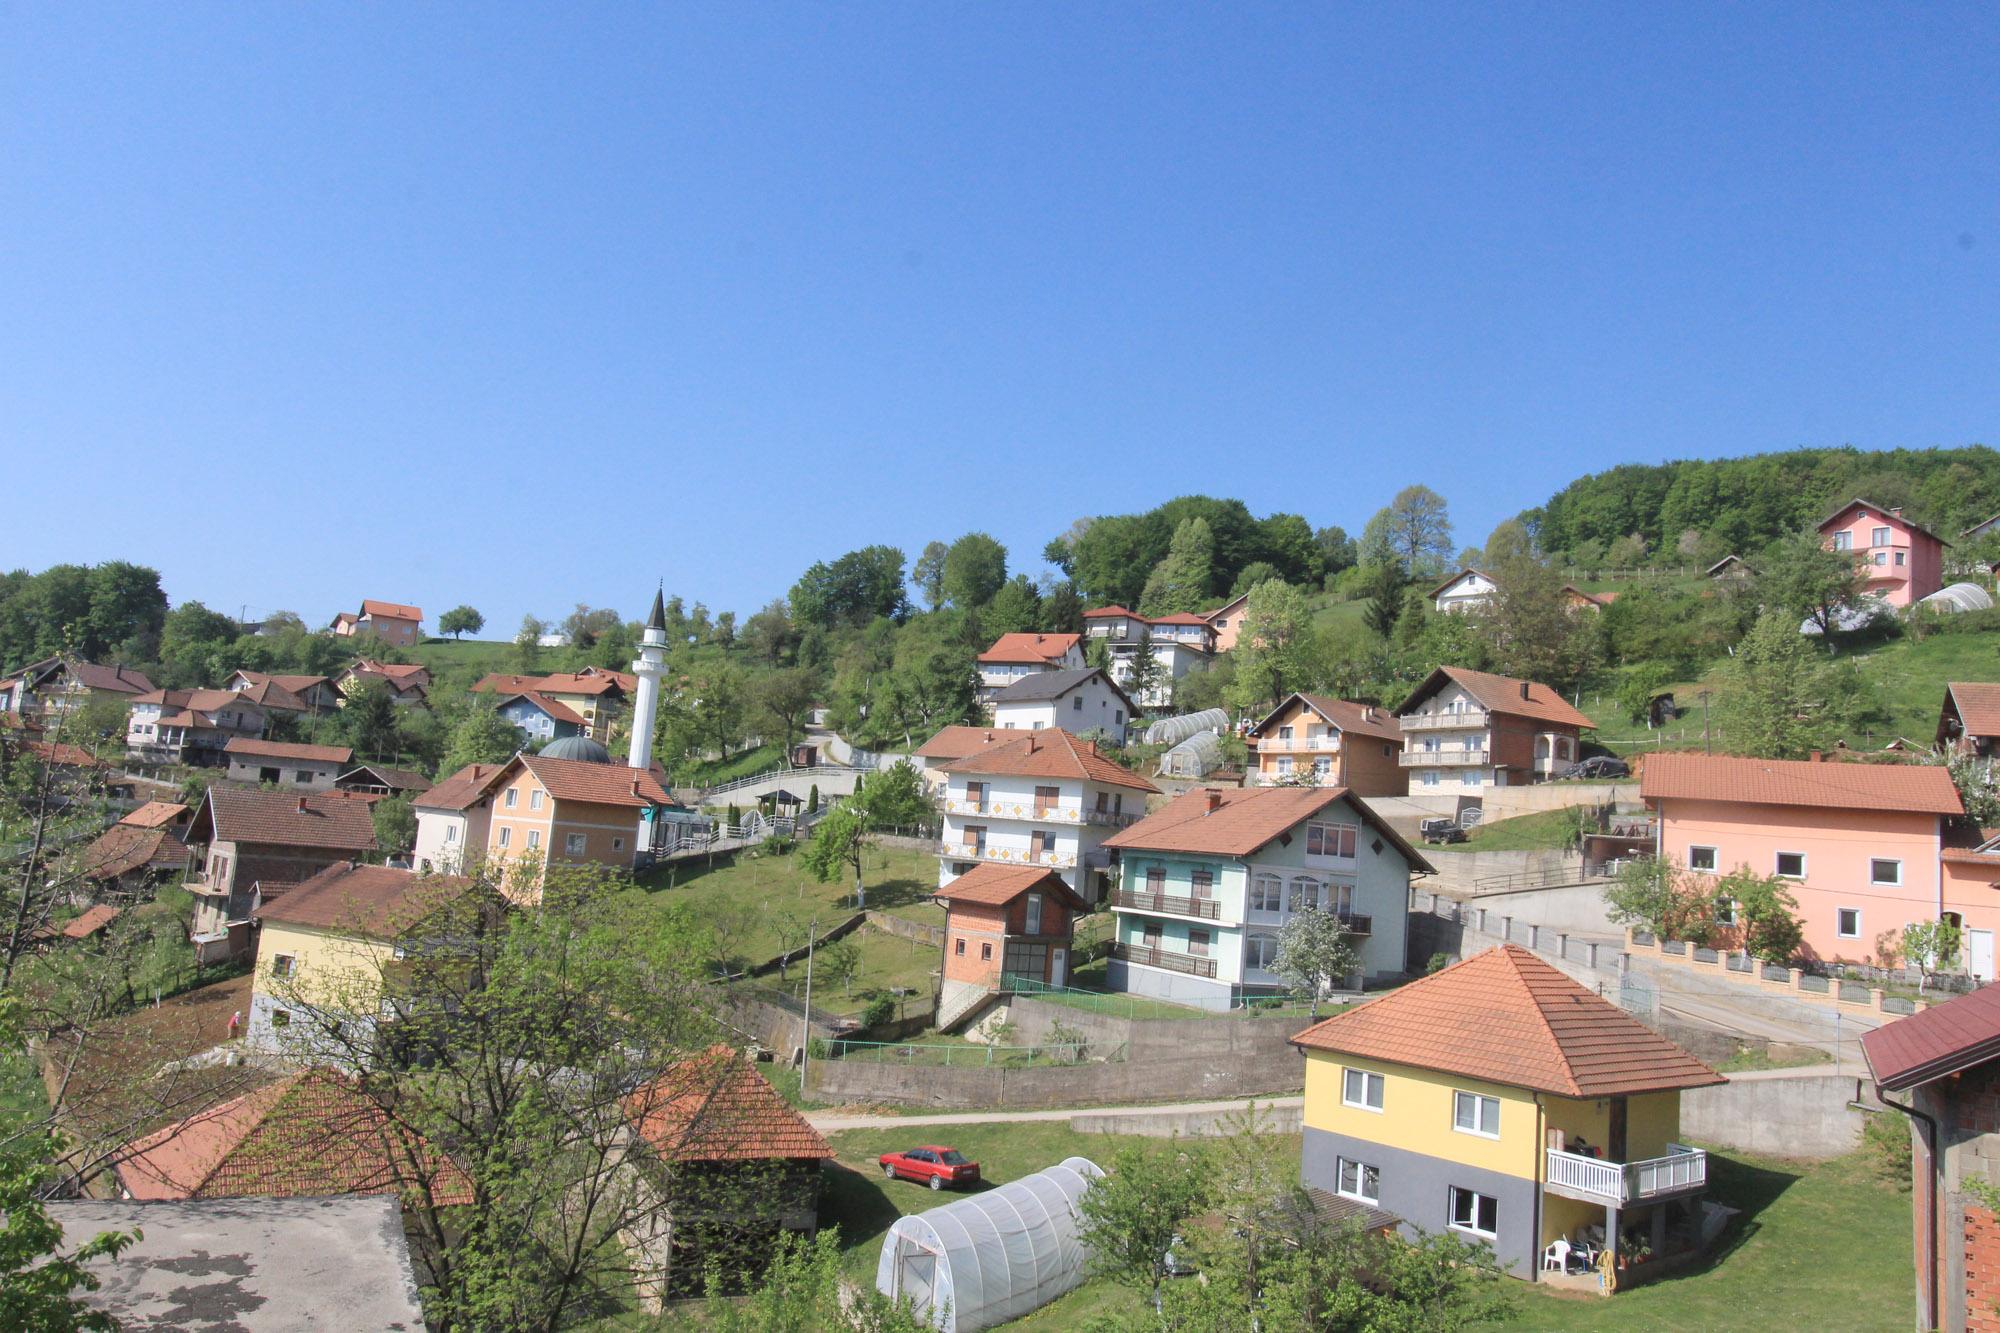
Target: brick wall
x=1982 y=1270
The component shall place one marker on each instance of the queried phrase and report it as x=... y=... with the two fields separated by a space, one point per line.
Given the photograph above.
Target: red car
x=931 y=1165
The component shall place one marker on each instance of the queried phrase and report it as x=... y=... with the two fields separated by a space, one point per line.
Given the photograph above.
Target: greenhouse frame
x=1173 y=730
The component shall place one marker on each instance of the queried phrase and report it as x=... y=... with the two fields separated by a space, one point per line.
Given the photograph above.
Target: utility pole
x=1706 y=745
x=805 y=1024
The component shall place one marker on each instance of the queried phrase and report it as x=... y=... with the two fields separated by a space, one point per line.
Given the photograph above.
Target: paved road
x=833 y=1121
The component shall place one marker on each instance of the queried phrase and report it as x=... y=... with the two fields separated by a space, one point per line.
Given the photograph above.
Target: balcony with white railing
x=1012 y=856
x=1034 y=813
x=1593 y=1180
x=1465 y=721
x=1445 y=757
x=1298 y=744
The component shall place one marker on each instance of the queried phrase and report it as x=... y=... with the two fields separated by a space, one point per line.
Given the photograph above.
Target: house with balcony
x=392 y=622
x=1005 y=928
x=1465 y=730
x=570 y=804
x=1083 y=702
x=1499 y=1101
x=1900 y=561
x=1047 y=800
x=407 y=682
x=57 y=685
x=243 y=837
x=952 y=743
x=596 y=696
x=1866 y=849
x=1014 y=657
x=191 y=726
x=1467 y=590
x=540 y=718
x=1310 y=738
x=284 y=764
x=300 y=695
x=1205 y=885
x=1177 y=644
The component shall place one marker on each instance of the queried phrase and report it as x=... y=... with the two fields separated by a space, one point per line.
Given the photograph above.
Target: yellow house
x=321 y=948
x=1502 y=1102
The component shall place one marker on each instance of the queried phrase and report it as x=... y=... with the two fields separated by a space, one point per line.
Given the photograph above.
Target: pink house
x=1863 y=844
x=1903 y=563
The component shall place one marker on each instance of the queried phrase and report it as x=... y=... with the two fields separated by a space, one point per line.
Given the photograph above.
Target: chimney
x=1368 y=712
x=1818 y=758
x=302 y=805
x=1212 y=800
x=1034 y=741
x=1524 y=689
x=1896 y=511
x=989 y=738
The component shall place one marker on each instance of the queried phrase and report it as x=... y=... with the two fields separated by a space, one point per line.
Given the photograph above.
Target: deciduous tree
x=461 y=621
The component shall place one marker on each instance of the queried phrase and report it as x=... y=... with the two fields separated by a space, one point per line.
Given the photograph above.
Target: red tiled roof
x=1343 y=715
x=1178 y=618
x=1030 y=647
x=271 y=694
x=1502 y=694
x=63 y=755
x=1946 y=1039
x=958 y=741
x=626 y=680
x=324 y=754
x=504 y=683
x=314 y=1134
x=199 y=701
x=573 y=682
x=561 y=712
x=1883 y=513
x=156 y=814
x=1978 y=706
x=1242 y=819
x=390 y=610
x=1507 y=1017
x=461 y=789
x=991 y=885
x=596 y=784
x=1895 y=788
x=716 y=1107
x=13 y=721
x=375 y=901
x=323 y=820
x=1107 y=612
x=397 y=671
x=125 y=848
x=115 y=679
x=1049 y=753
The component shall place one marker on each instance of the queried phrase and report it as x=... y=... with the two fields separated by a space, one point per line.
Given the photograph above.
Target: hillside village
x=1519 y=910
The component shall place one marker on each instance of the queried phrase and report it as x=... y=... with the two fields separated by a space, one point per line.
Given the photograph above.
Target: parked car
x=931 y=1165
x=1441 y=830
x=1598 y=766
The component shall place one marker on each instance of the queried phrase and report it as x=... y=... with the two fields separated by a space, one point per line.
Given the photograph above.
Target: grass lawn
x=742 y=764
x=1545 y=830
x=1749 y=1059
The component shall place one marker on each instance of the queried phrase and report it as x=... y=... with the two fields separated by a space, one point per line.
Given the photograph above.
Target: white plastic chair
x=1556 y=1257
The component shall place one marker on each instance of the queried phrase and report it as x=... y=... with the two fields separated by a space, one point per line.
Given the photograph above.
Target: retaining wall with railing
x=1793 y=982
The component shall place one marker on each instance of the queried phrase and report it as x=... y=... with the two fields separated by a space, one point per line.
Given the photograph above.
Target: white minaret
x=649 y=668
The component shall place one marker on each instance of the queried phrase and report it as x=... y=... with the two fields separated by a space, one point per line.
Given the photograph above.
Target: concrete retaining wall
x=1265 y=1038
x=1458 y=872
x=1038 y=1087
x=909 y=930
x=1577 y=908
x=1780 y=1114
x=1164 y=1124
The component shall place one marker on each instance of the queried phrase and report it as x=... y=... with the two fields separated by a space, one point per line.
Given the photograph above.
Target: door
x=1615 y=1150
x=1979 y=953
x=916 y=1278
x=1058 y=966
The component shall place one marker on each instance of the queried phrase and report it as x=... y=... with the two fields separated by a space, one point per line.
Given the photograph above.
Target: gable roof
x=395 y=779
x=1978 y=704
x=1363 y=719
x=1725 y=562
x=1945 y=1039
x=1226 y=607
x=63 y=755
x=156 y=814
x=1502 y=694
x=461 y=789
x=199 y=701
x=377 y=902
x=271 y=694
x=328 y=821
x=716 y=1107
x=390 y=610
x=1107 y=612
x=88 y=922
x=1461 y=576
x=575 y=682
x=560 y=712
x=1043 y=686
x=1048 y=753
x=115 y=679
x=989 y=884
x=1893 y=788
x=401 y=672
x=314 y=1134
x=1236 y=821
x=958 y=740
x=319 y=754
x=1505 y=1016
x=596 y=784
x=504 y=683
x=1886 y=516
x=125 y=848
x=1030 y=647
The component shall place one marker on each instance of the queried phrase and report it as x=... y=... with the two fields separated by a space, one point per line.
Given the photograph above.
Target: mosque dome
x=580 y=748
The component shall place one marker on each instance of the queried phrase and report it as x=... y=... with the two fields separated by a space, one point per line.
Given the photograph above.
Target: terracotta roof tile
x=114 y=679
x=1507 y=1017
x=199 y=701
x=125 y=848
x=958 y=741
x=991 y=885
x=390 y=610
x=1502 y=694
x=571 y=682
x=1883 y=513
x=1108 y=612
x=1978 y=706
x=1236 y=821
x=461 y=789
x=559 y=711
x=82 y=926
x=501 y=682
x=156 y=814
x=270 y=694
x=379 y=902
x=314 y=1134
x=325 y=820
x=63 y=755
x=1031 y=647
x=1363 y=719
x=716 y=1107
x=1939 y=1041
x=324 y=754
x=596 y=784
x=1899 y=788
x=1049 y=753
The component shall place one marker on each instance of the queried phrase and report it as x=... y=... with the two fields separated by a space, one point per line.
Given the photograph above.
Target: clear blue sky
x=530 y=306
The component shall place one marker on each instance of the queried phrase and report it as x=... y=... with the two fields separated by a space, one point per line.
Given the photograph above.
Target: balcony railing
x=1443 y=721
x=1161 y=958
x=1014 y=856
x=1171 y=904
x=1593 y=1179
x=1040 y=814
x=1451 y=758
x=1297 y=744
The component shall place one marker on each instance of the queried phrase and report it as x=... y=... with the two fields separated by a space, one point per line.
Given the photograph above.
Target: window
x=513 y=798
x=573 y=844
x=1149 y=934
x=534 y=838
x=1267 y=894
x=1843 y=541
x=1330 y=840
x=267 y=775
x=451 y=833
x=1305 y=895
x=1358 y=1180
x=1725 y=911
x=1848 y=927
x=1899 y=557
x=1156 y=879
x=1881 y=557
x=1284 y=766
x=506 y=836
x=301 y=775
x=535 y=800
x=1260 y=951
x=960 y=949
x=1431 y=777
x=1878 y=537
x=975 y=793
x=1474 y=1114
x=1076 y=704
x=1034 y=922
x=1882 y=871
x=1477 y=1213
x=1284 y=733
x=1701 y=858
x=1473 y=778
x=284 y=965
x=1198 y=943
x=1360 y=1088
x=1791 y=865
x=1118 y=715
x=986 y=951
x=1047 y=798
x=1202 y=883
x=281 y=1018
x=618 y=844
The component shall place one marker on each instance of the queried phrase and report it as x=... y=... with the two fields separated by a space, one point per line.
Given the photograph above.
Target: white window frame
x=1479 y=1102
x=1875 y=874
x=576 y=844
x=534 y=839
x=1841 y=912
x=1695 y=857
x=512 y=799
x=535 y=799
x=1362 y=1170
x=506 y=836
x=1473 y=1228
x=1777 y=865
x=285 y=965
x=1370 y=1082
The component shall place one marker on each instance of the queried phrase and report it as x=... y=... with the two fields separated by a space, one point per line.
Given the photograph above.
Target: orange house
x=1002 y=922
x=570 y=811
x=1356 y=746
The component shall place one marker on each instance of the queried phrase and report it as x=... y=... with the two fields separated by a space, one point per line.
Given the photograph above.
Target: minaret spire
x=650 y=667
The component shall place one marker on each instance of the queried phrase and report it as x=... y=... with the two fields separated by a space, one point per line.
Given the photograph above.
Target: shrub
x=1438 y=963
x=880 y=1010
x=1885 y=1146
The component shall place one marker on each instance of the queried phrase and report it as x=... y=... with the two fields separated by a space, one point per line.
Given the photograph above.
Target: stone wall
x=1110 y=1083
x=1784 y=1113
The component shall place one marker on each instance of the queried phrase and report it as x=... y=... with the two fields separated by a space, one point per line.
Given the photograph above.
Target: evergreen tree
x=1180 y=582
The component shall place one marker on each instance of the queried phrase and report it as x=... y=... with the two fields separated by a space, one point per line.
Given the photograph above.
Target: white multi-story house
x=1467 y=730
x=1085 y=702
x=1206 y=884
x=1179 y=643
x=453 y=820
x=1048 y=799
x=1014 y=657
x=1465 y=590
x=190 y=726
